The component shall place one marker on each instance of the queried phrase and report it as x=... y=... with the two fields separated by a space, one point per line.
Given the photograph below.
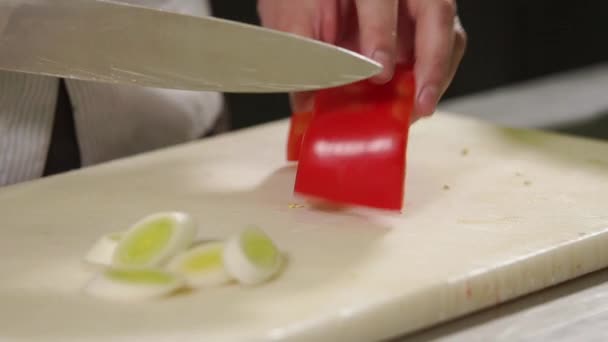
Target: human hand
x=425 y=32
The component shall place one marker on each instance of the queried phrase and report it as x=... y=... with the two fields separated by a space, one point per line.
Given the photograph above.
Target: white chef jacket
x=112 y=121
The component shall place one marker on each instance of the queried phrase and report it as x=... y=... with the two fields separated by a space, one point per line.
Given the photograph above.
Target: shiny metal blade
x=109 y=42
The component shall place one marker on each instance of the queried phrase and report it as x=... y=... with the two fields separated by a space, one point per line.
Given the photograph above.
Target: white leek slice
x=153 y=240
x=102 y=251
x=137 y=284
x=202 y=265
x=252 y=257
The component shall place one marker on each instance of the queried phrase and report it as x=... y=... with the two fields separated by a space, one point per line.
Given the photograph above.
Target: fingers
x=281 y=15
x=434 y=46
x=429 y=33
x=317 y=19
x=377 y=33
x=459 y=47
x=405 y=35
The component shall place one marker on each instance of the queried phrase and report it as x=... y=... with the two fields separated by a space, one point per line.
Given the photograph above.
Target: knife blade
x=104 y=41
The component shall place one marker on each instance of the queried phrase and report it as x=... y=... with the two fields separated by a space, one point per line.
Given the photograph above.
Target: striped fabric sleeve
x=117 y=121
x=27 y=107
x=112 y=121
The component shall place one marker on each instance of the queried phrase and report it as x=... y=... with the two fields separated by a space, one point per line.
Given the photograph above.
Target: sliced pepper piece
x=354 y=149
x=298 y=124
x=367 y=96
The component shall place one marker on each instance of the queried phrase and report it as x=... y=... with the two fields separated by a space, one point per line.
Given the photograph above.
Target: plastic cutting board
x=491 y=214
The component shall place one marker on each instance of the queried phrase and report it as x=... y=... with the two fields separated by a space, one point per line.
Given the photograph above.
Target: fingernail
x=385 y=59
x=427 y=100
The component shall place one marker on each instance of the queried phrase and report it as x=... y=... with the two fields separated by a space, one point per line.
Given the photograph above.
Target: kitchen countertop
x=554 y=101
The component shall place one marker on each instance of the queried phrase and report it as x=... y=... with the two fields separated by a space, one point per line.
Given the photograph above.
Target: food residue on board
x=598 y=162
x=446 y=187
x=159 y=255
x=527 y=183
x=295 y=206
x=469 y=291
x=464 y=152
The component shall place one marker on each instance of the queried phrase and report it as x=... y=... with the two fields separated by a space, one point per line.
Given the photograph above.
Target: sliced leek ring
x=202 y=265
x=251 y=257
x=153 y=240
x=102 y=251
x=133 y=284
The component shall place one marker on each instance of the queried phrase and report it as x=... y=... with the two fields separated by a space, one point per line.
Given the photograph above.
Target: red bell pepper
x=298 y=124
x=354 y=148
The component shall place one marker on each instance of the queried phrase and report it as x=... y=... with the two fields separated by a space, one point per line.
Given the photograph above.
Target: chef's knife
x=117 y=43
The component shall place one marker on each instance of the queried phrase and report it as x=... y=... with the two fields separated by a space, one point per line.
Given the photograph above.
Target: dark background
x=509 y=41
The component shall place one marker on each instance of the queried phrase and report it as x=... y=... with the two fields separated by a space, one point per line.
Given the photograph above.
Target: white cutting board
x=523 y=211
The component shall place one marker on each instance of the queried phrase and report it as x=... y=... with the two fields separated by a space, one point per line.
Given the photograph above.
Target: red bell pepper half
x=298 y=125
x=354 y=149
